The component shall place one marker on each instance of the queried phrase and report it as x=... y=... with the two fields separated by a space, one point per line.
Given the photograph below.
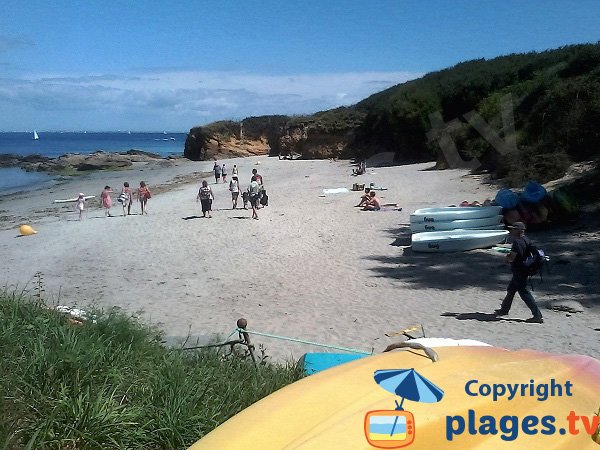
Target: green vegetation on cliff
x=554 y=97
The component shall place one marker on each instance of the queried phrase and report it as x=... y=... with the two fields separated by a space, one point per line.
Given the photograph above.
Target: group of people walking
x=125 y=198
x=254 y=194
x=220 y=172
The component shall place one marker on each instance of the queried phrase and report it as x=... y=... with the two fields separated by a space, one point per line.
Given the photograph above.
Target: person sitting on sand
x=373 y=204
x=364 y=199
x=361 y=169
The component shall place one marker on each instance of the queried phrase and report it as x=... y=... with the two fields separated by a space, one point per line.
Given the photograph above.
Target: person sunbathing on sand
x=373 y=204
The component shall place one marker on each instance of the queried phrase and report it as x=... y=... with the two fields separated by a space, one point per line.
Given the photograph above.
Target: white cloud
x=176 y=99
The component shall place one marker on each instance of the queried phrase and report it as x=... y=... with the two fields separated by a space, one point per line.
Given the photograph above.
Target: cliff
x=322 y=135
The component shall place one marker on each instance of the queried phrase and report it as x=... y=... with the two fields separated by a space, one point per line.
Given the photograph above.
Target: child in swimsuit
x=80 y=205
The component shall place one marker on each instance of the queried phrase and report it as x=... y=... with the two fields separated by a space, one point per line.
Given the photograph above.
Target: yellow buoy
x=26 y=230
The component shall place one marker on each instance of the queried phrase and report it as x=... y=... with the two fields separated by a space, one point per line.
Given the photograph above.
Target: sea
x=57 y=143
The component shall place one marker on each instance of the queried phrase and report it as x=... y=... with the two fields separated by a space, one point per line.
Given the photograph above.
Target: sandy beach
x=312 y=267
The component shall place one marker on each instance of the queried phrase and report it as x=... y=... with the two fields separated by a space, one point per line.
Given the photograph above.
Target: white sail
x=35 y=135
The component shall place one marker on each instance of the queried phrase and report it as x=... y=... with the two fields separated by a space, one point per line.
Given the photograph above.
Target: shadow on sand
x=482 y=317
x=571 y=272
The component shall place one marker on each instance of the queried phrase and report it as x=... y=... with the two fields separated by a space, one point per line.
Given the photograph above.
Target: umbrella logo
x=396 y=428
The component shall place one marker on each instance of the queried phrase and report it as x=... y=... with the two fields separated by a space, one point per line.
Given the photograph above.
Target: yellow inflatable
x=26 y=230
x=479 y=397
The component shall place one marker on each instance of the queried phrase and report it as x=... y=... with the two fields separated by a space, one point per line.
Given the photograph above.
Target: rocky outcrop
x=202 y=146
x=77 y=162
x=274 y=138
x=312 y=144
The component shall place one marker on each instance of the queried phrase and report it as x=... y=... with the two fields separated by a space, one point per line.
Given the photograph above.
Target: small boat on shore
x=456 y=240
x=429 y=215
x=378 y=402
x=463 y=224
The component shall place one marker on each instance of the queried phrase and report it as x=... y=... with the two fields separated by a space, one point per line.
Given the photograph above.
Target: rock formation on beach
x=320 y=136
x=77 y=162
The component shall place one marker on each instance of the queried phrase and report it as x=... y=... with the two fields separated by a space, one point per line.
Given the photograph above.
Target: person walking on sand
x=234 y=171
x=80 y=205
x=206 y=197
x=143 y=195
x=224 y=173
x=234 y=187
x=261 y=191
x=254 y=194
x=217 y=171
x=259 y=178
x=106 y=200
x=518 y=282
x=126 y=198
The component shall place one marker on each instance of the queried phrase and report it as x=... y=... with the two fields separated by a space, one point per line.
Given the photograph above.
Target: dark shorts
x=254 y=200
x=206 y=204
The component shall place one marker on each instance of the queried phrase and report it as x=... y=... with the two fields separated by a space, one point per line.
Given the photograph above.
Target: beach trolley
x=450 y=397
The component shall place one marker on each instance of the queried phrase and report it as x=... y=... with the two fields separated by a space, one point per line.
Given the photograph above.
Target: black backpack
x=264 y=199
x=533 y=260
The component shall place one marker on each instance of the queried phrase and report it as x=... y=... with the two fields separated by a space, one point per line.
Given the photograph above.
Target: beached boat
x=456 y=240
x=462 y=401
x=482 y=223
x=429 y=215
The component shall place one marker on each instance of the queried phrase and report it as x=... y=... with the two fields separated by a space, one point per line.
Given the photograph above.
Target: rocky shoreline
x=78 y=162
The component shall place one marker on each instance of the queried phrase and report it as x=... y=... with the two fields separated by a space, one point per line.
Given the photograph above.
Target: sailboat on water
x=35 y=135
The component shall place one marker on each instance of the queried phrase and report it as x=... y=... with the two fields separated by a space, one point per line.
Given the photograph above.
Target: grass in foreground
x=112 y=384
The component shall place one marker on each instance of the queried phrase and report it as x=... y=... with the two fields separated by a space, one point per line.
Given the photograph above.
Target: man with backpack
x=518 y=258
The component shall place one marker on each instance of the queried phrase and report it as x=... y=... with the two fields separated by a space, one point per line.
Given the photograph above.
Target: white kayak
x=491 y=222
x=429 y=215
x=69 y=200
x=456 y=240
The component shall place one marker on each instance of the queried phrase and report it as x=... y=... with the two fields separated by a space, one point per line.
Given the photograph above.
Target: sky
x=157 y=65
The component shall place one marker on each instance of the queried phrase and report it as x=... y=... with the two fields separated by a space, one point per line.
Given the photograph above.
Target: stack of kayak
x=454 y=229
